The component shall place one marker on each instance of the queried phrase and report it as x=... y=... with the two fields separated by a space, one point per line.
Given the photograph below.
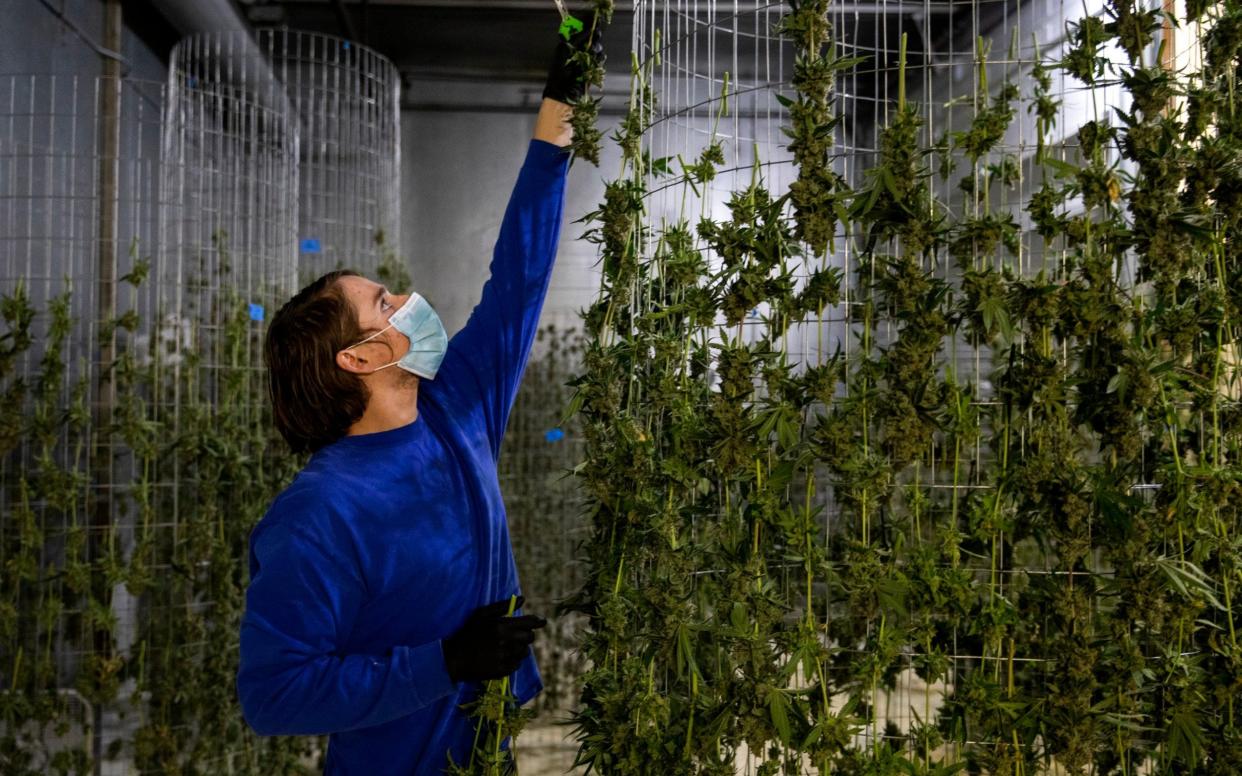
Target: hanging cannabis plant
x=1049 y=546
x=584 y=116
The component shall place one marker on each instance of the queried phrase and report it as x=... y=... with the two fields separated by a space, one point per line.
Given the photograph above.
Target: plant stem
x=901 y=74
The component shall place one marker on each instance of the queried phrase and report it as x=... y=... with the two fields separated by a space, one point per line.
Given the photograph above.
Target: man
x=380 y=579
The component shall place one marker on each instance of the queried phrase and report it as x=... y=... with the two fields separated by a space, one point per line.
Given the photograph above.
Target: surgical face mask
x=428 y=340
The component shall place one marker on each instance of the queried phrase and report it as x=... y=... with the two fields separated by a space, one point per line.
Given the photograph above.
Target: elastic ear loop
x=368 y=339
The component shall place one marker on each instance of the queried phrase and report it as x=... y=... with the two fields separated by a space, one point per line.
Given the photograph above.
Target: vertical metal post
x=1168 y=58
x=105 y=390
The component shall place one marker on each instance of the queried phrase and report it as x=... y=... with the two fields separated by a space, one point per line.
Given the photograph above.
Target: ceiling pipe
x=243 y=63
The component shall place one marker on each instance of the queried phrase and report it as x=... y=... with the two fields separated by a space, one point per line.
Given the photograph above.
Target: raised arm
x=486 y=359
x=567 y=80
x=552 y=125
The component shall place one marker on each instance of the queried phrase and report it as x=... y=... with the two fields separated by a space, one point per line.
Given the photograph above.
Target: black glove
x=565 y=82
x=490 y=645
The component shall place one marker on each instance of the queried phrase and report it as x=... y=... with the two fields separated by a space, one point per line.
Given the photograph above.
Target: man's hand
x=490 y=645
x=570 y=63
x=566 y=83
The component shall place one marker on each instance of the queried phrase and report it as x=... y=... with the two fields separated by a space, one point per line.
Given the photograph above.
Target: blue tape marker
x=310 y=245
x=347 y=45
x=554 y=435
x=256 y=312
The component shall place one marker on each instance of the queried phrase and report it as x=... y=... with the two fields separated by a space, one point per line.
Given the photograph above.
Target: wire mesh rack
x=345 y=100
x=78 y=201
x=148 y=228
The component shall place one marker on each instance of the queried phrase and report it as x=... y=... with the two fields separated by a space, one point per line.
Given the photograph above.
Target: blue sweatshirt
x=384 y=543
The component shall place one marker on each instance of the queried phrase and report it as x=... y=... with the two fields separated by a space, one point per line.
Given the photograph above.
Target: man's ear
x=350 y=361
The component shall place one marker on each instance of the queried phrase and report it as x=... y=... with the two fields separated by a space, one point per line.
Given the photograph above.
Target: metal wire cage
x=79 y=163
x=344 y=98
x=228 y=214
x=148 y=230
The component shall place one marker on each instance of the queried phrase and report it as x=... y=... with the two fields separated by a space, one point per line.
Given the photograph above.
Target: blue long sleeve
x=294 y=680
x=495 y=342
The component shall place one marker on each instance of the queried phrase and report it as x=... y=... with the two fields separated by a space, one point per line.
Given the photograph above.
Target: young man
x=380 y=579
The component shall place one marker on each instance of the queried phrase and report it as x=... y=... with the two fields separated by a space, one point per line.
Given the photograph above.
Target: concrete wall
x=34 y=40
x=459 y=168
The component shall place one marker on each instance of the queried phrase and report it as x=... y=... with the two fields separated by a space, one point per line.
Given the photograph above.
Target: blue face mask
x=428 y=340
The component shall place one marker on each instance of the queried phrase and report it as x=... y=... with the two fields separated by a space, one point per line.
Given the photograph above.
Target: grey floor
x=545 y=749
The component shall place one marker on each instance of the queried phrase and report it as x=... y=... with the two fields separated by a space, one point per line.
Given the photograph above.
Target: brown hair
x=314 y=402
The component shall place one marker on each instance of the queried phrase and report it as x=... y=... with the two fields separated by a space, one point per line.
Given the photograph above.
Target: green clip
x=569 y=25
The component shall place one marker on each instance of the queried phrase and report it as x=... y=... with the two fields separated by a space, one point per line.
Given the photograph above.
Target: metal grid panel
x=147 y=230
x=78 y=202
x=346 y=100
